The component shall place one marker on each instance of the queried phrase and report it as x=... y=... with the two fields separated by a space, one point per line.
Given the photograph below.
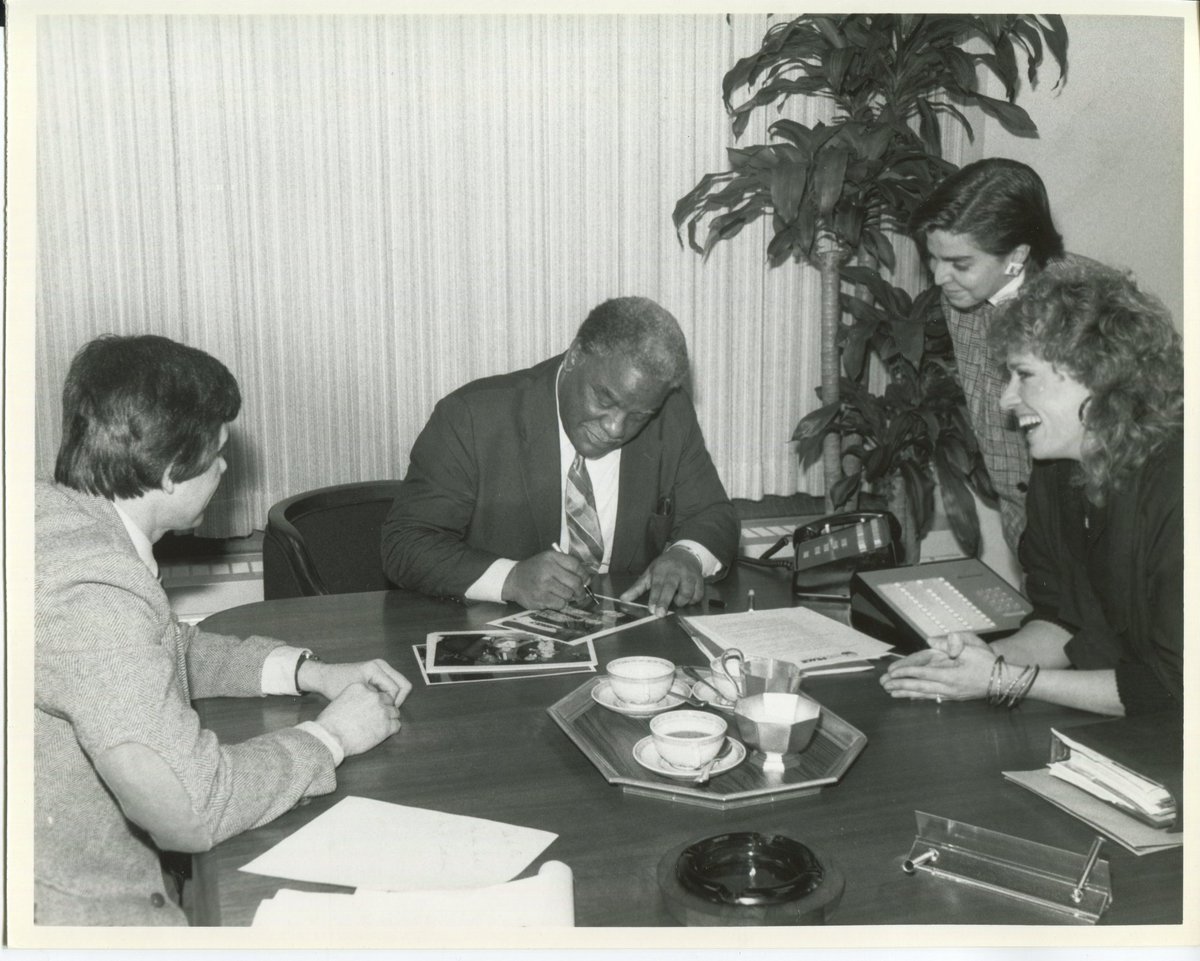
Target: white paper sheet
x=364 y=843
x=795 y=634
x=545 y=900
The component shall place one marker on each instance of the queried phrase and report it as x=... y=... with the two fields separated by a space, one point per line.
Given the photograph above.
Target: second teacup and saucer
x=640 y=687
x=604 y=695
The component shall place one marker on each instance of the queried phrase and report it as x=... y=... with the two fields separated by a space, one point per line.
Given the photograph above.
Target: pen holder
x=1064 y=883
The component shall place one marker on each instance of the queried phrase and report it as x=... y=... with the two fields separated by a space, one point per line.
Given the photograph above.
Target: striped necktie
x=583 y=523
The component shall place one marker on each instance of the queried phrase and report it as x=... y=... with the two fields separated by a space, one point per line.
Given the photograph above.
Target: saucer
x=701 y=691
x=646 y=754
x=603 y=695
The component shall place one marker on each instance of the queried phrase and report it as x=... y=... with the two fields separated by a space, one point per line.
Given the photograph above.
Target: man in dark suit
x=523 y=485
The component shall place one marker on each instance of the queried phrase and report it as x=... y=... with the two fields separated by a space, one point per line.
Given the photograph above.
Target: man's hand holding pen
x=550 y=580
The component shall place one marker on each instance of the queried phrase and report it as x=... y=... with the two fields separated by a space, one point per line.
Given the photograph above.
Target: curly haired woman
x=1096 y=384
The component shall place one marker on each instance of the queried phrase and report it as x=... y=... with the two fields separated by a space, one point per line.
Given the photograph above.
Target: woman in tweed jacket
x=123 y=769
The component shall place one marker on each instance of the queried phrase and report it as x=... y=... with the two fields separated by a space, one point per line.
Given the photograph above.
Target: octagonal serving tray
x=607 y=740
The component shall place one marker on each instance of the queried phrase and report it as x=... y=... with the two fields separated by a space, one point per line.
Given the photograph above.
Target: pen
x=617 y=600
x=587 y=588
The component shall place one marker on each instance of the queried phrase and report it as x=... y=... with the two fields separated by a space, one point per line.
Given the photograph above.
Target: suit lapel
x=636 y=492
x=540 y=470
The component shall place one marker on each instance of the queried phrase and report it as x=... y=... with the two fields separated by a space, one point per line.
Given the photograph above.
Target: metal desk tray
x=608 y=739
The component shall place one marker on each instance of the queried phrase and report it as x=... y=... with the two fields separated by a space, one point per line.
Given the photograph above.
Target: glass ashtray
x=748 y=868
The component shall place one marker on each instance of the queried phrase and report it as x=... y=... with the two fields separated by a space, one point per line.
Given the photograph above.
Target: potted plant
x=836 y=192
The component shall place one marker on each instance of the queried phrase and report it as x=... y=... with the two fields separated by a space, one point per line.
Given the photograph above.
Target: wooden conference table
x=490 y=750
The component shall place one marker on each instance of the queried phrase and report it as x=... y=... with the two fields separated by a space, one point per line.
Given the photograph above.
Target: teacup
x=641 y=680
x=777 y=724
x=757 y=675
x=688 y=739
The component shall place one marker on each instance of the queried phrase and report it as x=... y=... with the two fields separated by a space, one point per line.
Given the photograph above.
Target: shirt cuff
x=709 y=565
x=279 y=669
x=490 y=585
x=322 y=735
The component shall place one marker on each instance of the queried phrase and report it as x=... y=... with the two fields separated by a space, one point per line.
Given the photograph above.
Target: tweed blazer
x=484 y=482
x=113 y=666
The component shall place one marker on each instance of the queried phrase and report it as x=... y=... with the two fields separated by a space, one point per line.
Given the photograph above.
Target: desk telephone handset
x=827 y=552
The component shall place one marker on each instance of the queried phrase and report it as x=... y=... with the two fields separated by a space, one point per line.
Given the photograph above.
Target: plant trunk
x=831 y=315
x=897 y=500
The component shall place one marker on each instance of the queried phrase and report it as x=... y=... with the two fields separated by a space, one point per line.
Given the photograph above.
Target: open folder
x=1123 y=777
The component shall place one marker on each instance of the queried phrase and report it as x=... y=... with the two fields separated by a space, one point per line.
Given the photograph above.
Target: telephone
x=908 y=605
x=828 y=551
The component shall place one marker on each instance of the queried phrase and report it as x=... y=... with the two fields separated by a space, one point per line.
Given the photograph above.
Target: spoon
x=718 y=697
x=706 y=771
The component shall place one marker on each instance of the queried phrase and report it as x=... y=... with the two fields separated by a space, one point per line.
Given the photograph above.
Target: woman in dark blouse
x=1096 y=384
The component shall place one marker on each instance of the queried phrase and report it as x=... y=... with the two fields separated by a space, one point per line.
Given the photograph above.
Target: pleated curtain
x=358 y=214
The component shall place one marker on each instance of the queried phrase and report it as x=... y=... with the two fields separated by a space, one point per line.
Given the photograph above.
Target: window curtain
x=358 y=214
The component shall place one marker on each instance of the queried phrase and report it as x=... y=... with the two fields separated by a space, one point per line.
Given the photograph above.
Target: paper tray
x=607 y=739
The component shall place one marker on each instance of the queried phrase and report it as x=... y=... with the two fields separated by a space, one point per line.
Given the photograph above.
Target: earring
x=1013 y=269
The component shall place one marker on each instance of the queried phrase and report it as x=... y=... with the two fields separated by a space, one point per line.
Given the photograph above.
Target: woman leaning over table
x=1096 y=384
x=985 y=230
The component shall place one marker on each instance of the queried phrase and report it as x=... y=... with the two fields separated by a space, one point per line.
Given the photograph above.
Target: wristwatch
x=304 y=656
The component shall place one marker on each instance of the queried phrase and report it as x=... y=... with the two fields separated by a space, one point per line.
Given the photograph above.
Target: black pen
x=587 y=588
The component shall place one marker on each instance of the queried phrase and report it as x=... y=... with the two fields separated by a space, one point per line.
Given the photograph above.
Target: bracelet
x=1012 y=694
x=996 y=678
x=1008 y=698
x=304 y=656
x=1028 y=676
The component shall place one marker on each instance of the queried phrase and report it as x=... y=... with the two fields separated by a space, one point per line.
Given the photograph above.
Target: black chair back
x=327 y=541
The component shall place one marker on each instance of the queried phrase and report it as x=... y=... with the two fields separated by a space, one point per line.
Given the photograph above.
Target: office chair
x=326 y=541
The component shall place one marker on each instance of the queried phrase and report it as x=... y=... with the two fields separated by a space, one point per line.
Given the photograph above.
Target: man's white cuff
x=322 y=735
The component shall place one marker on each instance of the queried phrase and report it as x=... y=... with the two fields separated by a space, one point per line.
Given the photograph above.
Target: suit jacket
x=113 y=666
x=1113 y=576
x=484 y=482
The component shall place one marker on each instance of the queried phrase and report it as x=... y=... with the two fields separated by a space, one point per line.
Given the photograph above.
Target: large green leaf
x=844 y=489
x=931 y=130
x=958 y=504
x=1014 y=119
x=959 y=65
x=815 y=423
x=796 y=133
x=1055 y=33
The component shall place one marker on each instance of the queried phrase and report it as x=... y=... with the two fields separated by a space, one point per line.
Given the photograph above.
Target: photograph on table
x=491 y=652
x=577 y=624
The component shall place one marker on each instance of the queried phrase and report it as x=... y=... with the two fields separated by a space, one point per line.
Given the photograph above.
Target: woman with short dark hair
x=1096 y=385
x=986 y=229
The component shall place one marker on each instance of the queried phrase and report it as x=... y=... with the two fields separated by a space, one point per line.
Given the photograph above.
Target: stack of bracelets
x=1013 y=693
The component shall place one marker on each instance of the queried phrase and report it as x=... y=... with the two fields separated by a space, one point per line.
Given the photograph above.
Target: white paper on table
x=795 y=634
x=364 y=843
x=544 y=900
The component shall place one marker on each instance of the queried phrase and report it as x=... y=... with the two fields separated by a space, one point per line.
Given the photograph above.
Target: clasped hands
x=553 y=579
x=955 y=667
x=364 y=700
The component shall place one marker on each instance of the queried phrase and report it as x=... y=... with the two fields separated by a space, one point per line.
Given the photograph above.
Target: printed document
x=797 y=634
